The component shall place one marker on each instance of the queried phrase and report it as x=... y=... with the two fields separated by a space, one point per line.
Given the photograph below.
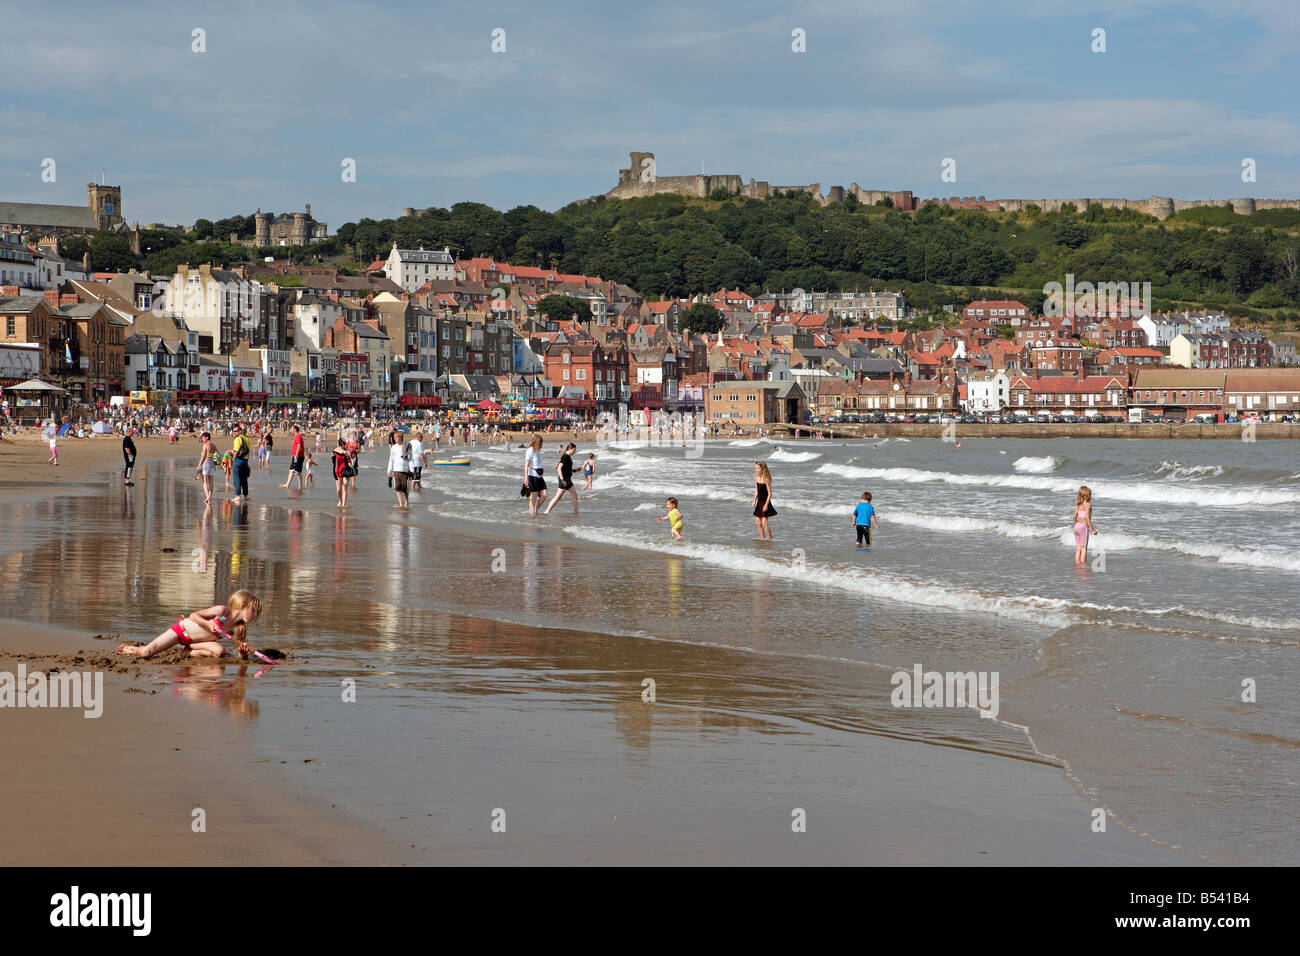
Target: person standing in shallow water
x=241 y=448
x=533 y=474
x=763 y=499
x=1082 y=523
x=128 y=457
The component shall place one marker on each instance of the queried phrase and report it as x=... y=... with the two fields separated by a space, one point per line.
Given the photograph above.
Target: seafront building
x=423 y=331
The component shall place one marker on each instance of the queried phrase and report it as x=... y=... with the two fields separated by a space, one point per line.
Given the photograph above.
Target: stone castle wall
x=634 y=182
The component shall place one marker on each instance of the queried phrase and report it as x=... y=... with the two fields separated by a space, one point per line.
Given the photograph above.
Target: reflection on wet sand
x=215 y=686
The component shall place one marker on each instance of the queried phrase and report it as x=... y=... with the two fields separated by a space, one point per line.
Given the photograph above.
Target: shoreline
x=267 y=809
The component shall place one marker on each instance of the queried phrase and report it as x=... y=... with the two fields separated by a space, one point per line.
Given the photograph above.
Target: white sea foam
x=1178 y=470
x=794 y=456
x=1031 y=609
x=1038 y=465
x=1143 y=491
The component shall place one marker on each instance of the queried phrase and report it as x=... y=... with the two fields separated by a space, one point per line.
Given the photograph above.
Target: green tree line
x=673 y=246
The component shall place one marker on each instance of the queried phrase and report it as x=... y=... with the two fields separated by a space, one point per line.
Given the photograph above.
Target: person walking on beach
x=589 y=471
x=269 y=441
x=533 y=475
x=419 y=458
x=399 y=468
x=53 y=433
x=297 y=456
x=342 y=460
x=864 y=515
x=207 y=466
x=1082 y=523
x=241 y=448
x=763 y=499
x=202 y=631
x=564 y=471
x=354 y=453
x=128 y=457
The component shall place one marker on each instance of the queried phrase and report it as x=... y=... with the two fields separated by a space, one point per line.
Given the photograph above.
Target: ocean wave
x=1038 y=465
x=1178 y=470
x=793 y=456
x=1141 y=491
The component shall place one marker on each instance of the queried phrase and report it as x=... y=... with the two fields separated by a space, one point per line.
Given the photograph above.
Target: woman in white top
x=399 y=469
x=533 y=475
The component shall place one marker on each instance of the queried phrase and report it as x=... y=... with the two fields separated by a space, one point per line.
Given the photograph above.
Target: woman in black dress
x=762 y=499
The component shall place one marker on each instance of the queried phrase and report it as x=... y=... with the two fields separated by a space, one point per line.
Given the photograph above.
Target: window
x=582 y=374
x=9 y=326
x=565 y=358
x=566 y=374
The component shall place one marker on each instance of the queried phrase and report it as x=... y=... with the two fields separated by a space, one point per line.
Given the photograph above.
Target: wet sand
x=459 y=717
x=121 y=789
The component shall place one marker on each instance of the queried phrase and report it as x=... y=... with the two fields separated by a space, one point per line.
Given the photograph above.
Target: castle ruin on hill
x=640 y=179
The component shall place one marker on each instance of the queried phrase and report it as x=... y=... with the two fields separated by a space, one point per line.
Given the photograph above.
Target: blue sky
x=285 y=92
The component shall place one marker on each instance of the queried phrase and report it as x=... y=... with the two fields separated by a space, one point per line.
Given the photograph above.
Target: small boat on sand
x=460 y=462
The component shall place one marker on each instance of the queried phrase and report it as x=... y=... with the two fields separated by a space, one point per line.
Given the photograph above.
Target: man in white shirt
x=418 y=459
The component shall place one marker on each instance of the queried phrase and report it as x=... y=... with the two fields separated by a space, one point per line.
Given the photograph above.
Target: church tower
x=106 y=203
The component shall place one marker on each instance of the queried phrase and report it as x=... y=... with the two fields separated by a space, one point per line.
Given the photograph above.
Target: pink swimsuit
x=1080 y=530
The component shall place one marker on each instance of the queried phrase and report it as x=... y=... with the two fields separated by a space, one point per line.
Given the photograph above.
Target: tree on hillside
x=1067 y=232
x=73 y=249
x=701 y=317
x=562 y=308
x=202 y=229
x=111 y=253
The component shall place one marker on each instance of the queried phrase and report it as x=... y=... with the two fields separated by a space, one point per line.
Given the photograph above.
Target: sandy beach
x=460 y=718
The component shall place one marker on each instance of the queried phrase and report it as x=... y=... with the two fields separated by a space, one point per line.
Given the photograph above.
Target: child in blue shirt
x=864 y=516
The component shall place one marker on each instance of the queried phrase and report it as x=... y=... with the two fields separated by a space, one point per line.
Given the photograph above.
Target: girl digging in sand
x=202 y=631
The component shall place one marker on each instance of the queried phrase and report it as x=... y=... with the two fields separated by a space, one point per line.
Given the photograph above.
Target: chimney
x=68 y=299
x=51 y=296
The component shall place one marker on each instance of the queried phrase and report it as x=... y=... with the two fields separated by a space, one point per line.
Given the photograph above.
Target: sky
x=283 y=93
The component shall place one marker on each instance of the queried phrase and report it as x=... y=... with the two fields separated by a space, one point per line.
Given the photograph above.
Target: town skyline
x=1180 y=97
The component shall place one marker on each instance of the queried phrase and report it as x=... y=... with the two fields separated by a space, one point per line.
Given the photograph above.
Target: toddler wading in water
x=202 y=631
x=674 y=518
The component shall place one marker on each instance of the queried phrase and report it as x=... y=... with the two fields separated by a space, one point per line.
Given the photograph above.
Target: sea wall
x=1262 y=431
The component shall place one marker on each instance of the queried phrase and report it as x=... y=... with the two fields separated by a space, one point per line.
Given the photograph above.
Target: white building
x=19 y=266
x=312 y=315
x=412 y=268
x=276 y=370
x=217 y=303
x=988 y=391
